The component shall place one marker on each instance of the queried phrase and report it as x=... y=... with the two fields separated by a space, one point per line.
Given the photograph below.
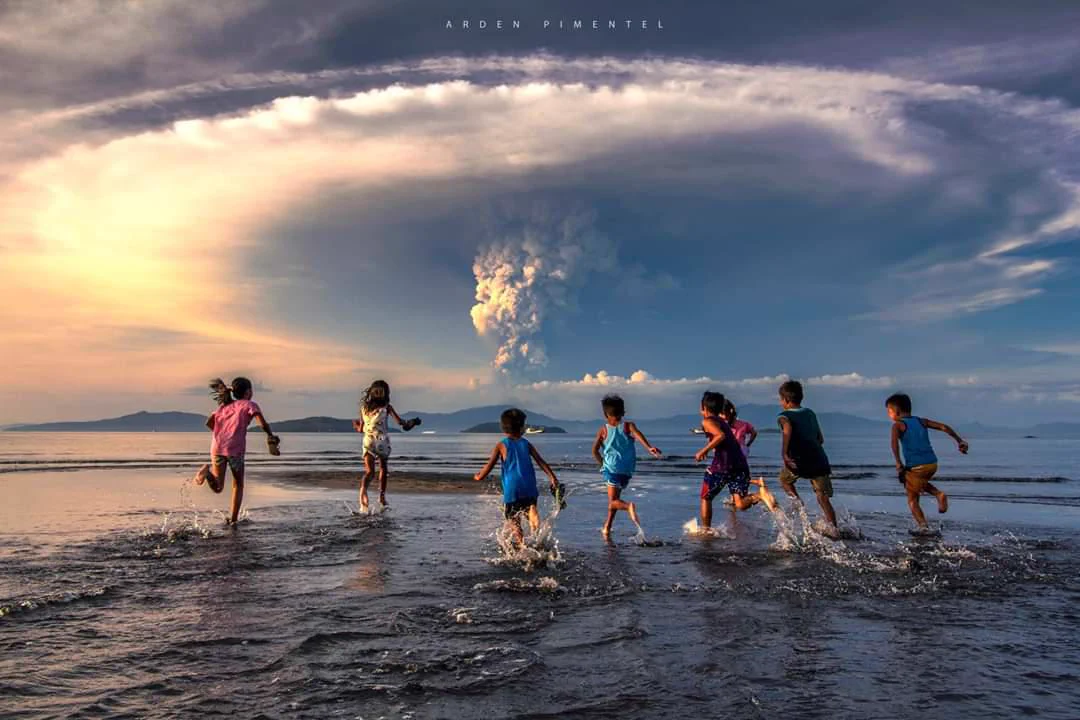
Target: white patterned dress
x=376 y=433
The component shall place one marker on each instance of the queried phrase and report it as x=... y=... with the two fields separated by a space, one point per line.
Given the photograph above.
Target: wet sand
x=406 y=481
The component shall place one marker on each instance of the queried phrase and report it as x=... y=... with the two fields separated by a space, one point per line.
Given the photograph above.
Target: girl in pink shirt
x=744 y=432
x=229 y=424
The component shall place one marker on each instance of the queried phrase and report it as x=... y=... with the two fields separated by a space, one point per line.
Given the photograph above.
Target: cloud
x=642 y=379
x=157 y=227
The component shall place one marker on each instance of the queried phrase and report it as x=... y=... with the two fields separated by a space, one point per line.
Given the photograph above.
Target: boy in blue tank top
x=615 y=452
x=920 y=461
x=518 y=475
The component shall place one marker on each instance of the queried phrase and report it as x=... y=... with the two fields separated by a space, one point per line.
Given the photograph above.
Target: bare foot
x=943 y=503
x=363 y=505
x=382 y=503
x=766 y=495
x=606 y=532
x=200 y=475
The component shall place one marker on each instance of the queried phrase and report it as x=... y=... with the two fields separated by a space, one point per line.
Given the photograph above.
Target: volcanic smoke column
x=535 y=269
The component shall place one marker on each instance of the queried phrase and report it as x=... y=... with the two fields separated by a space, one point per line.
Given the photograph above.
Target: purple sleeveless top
x=728 y=458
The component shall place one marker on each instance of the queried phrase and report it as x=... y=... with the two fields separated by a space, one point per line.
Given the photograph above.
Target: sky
x=868 y=197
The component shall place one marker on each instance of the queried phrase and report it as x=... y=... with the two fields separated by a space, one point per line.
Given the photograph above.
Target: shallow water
x=122 y=594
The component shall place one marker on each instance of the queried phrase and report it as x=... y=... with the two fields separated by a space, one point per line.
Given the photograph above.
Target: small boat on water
x=533 y=430
x=697 y=431
x=428 y=432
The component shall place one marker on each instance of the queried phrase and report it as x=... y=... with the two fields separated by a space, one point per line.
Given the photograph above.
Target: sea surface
x=124 y=595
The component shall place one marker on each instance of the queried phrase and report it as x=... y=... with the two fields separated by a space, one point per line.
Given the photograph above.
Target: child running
x=920 y=461
x=744 y=432
x=615 y=452
x=374 y=409
x=804 y=452
x=728 y=468
x=229 y=425
x=517 y=454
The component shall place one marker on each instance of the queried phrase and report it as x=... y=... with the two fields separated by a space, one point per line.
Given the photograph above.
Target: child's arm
x=785 y=428
x=896 y=445
x=597 y=444
x=655 y=452
x=490 y=464
x=753 y=436
x=543 y=466
x=358 y=425
x=261 y=421
x=961 y=444
x=210 y=421
x=393 y=413
x=710 y=426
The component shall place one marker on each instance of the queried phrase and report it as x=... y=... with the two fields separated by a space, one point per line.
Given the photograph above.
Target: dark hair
x=376 y=396
x=900 y=401
x=729 y=410
x=613 y=406
x=225 y=394
x=792 y=392
x=713 y=402
x=512 y=421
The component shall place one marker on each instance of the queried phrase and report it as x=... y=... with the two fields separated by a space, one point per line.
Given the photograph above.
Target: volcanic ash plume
x=536 y=268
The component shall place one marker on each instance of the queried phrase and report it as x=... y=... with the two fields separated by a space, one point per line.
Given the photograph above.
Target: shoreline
x=400 y=482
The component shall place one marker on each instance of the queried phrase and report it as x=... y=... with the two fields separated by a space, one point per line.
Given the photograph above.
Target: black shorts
x=518 y=506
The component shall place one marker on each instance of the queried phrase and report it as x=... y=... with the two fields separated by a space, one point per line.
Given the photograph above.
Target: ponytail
x=221 y=392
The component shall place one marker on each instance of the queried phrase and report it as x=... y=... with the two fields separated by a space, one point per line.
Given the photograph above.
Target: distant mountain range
x=763 y=416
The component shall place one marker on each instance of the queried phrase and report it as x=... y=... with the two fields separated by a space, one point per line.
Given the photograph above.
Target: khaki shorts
x=918 y=477
x=821 y=484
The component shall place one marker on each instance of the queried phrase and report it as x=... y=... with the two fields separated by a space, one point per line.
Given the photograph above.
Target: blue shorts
x=617 y=480
x=736 y=483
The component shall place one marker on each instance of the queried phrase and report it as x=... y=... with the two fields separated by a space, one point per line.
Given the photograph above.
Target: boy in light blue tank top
x=920 y=461
x=614 y=451
x=518 y=475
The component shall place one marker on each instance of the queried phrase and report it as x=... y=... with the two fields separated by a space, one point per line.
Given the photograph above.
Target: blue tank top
x=915 y=441
x=518 y=473
x=619 y=455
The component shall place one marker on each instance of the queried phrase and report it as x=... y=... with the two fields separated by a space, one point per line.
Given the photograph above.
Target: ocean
x=123 y=594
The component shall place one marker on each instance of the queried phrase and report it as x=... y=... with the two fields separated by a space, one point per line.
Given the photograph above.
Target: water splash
x=540 y=549
x=693 y=529
x=547 y=585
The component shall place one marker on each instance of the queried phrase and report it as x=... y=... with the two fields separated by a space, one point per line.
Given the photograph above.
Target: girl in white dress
x=375 y=408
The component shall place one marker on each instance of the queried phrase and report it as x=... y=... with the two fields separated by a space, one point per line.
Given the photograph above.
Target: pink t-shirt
x=230 y=427
x=742 y=430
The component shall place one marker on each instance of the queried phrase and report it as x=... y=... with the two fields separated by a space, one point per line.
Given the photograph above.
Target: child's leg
x=213 y=474
x=614 y=505
x=916 y=483
x=369 y=470
x=514 y=524
x=787 y=482
x=916 y=510
x=823 y=489
x=942 y=498
x=534 y=517
x=765 y=494
x=746 y=501
x=706 y=512
x=237 y=489
x=921 y=475
x=826 y=507
x=383 y=471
